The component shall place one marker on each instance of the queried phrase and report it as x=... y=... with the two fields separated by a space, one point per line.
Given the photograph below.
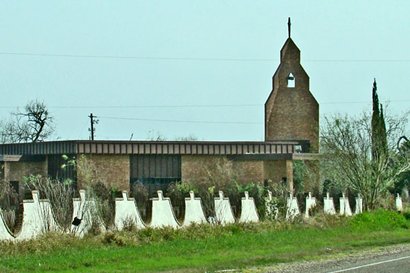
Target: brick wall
x=16 y=171
x=1 y=170
x=197 y=168
x=111 y=170
x=292 y=113
x=249 y=171
x=275 y=170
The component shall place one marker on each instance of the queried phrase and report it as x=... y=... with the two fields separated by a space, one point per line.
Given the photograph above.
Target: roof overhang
x=270 y=157
x=306 y=156
x=10 y=158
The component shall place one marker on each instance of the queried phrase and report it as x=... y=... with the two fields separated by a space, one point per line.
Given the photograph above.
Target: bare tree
x=34 y=124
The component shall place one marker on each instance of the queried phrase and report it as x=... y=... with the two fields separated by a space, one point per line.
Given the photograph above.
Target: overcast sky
x=195 y=68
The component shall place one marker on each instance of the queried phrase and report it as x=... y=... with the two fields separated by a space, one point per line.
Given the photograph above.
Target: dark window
x=155 y=171
x=15 y=185
x=58 y=168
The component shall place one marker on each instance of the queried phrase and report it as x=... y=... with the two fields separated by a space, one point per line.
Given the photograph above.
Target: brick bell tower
x=291 y=111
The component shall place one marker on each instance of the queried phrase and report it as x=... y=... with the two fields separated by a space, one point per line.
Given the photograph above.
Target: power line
x=206 y=59
x=187 y=105
x=26 y=54
x=360 y=102
x=144 y=106
x=162 y=106
x=181 y=121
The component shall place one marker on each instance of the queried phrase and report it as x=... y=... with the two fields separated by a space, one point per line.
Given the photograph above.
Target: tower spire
x=289 y=24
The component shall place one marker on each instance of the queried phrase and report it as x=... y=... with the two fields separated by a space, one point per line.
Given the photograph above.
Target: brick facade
x=111 y=170
x=195 y=168
x=291 y=113
x=16 y=171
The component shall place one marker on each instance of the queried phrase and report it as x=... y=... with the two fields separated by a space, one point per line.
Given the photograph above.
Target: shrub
x=9 y=204
x=406 y=214
x=379 y=220
x=105 y=200
x=276 y=208
x=177 y=192
x=141 y=196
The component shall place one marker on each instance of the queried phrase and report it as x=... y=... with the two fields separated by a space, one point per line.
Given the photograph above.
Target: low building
x=291 y=133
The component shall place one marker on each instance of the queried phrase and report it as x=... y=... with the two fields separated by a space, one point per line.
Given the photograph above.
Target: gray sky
x=201 y=68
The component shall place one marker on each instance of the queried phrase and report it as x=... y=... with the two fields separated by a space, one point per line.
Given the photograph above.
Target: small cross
x=289 y=24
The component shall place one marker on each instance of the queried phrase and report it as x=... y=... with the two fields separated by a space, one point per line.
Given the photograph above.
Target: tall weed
x=59 y=193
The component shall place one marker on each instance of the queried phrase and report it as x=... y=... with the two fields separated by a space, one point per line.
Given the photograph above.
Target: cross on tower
x=289 y=24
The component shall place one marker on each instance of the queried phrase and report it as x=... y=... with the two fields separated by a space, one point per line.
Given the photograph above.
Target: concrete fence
x=38 y=216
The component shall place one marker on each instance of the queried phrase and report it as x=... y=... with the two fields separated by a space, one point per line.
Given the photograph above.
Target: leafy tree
x=34 y=124
x=379 y=136
x=404 y=180
x=360 y=153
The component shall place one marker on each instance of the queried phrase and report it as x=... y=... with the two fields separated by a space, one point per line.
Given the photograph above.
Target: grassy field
x=205 y=248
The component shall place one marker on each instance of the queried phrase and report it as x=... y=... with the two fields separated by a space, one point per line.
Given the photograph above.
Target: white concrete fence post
x=399 y=203
x=223 y=210
x=162 y=212
x=37 y=218
x=329 y=205
x=126 y=212
x=359 y=205
x=5 y=233
x=85 y=215
x=310 y=204
x=249 y=212
x=345 y=206
x=292 y=208
x=194 y=212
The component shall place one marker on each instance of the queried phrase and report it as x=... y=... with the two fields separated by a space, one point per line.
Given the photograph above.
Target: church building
x=291 y=133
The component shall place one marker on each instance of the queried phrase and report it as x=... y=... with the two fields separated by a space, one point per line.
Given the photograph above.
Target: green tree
x=404 y=181
x=378 y=125
x=360 y=153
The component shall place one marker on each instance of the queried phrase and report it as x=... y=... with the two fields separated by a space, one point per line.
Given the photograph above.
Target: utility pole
x=93 y=121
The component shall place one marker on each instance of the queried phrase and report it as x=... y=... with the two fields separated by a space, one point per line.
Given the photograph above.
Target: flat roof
x=121 y=147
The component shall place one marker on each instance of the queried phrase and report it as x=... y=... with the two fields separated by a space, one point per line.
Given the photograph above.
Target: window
x=15 y=185
x=298 y=148
x=291 y=81
x=57 y=171
x=155 y=171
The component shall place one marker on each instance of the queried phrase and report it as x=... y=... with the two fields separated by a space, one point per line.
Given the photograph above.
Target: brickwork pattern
x=16 y=171
x=292 y=113
x=111 y=170
x=194 y=168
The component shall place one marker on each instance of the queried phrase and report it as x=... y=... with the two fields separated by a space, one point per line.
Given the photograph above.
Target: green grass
x=204 y=248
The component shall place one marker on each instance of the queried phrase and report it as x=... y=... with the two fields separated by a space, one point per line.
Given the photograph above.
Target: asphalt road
x=391 y=259
x=399 y=263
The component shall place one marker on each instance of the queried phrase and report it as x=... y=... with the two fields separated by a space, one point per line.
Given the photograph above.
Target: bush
x=9 y=205
x=104 y=198
x=379 y=220
x=406 y=214
x=178 y=191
